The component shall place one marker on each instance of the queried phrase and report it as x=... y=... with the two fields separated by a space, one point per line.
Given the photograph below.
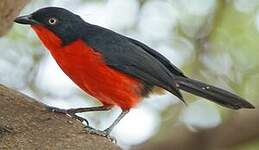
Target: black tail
x=212 y=93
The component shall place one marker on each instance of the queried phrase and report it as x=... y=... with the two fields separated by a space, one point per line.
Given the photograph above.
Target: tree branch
x=25 y=124
x=9 y=9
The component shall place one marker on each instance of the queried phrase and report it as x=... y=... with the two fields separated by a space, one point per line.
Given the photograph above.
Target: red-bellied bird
x=115 y=69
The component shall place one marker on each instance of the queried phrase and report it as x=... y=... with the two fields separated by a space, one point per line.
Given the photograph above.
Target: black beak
x=25 y=20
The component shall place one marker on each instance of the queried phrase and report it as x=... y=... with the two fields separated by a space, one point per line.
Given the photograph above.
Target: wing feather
x=121 y=54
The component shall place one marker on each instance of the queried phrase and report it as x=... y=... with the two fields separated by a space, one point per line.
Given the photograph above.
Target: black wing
x=160 y=57
x=122 y=54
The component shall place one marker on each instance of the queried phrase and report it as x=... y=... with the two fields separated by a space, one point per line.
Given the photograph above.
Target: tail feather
x=217 y=95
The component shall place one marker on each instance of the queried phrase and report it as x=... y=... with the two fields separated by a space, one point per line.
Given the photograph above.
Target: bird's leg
x=72 y=112
x=122 y=114
x=107 y=131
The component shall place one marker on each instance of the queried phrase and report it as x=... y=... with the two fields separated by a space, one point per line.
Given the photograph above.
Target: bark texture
x=25 y=124
x=9 y=9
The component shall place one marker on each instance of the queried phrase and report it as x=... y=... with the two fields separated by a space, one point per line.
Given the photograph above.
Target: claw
x=81 y=119
x=104 y=133
x=68 y=112
x=55 y=109
x=90 y=130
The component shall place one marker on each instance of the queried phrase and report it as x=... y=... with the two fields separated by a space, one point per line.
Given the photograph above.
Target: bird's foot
x=68 y=112
x=104 y=133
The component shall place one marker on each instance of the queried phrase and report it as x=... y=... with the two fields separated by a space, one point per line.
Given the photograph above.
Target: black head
x=65 y=24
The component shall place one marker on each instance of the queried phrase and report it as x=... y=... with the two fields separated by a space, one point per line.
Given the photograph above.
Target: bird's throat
x=48 y=38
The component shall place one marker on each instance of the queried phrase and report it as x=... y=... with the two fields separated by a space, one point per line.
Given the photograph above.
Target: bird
x=115 y=69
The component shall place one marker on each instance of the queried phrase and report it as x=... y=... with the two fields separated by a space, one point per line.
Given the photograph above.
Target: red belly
x=88 y=70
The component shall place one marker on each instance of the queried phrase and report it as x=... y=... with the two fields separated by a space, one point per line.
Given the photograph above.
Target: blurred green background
x=216 y=41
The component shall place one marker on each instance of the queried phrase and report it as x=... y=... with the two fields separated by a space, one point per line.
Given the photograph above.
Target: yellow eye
x=53 y=21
